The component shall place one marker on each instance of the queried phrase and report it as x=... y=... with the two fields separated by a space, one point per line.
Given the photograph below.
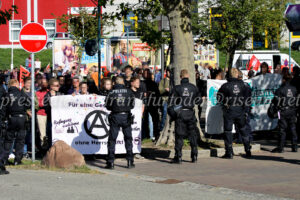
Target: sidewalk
x=274 y=174
x=36 y=185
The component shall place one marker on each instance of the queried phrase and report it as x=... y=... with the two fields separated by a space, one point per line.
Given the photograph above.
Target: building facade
x=41 y=11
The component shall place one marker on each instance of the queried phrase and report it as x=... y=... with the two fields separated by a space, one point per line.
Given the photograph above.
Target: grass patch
x=37 y=165
x=45 y=56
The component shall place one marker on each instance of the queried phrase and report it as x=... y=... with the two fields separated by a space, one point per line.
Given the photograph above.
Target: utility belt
x=286 y=108
x=121 y=113
x=189 y=109
x=130 y=116
x=16 y=115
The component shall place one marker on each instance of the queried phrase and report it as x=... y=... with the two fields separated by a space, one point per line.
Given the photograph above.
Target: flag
x=95 y=77
x=254 y=63
x=23 y=74
x=48 y=67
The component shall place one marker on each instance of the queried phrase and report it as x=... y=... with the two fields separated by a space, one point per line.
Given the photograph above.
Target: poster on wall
x=139 y=53
x=87 y=62
x=205 y=54
x=263 y=88
x=81 y=121
x=64 y=56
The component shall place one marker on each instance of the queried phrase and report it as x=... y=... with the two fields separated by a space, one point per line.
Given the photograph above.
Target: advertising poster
x=81 y=121
x=89 y=61
x=138 y=53
x=205 y=54
x=64 y=55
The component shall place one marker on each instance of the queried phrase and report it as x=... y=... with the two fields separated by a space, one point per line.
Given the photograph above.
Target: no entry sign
x=33 y=37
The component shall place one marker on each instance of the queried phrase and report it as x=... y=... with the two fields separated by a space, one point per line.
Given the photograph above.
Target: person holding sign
x=120 y=102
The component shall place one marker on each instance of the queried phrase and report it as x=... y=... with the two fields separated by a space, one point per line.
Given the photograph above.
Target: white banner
x=81 y=122
x=263 y=88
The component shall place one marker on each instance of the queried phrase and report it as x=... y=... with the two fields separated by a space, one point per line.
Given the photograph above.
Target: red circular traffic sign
x=33 y=37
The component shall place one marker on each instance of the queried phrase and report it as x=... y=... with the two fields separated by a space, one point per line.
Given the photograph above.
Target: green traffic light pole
x=99 y=45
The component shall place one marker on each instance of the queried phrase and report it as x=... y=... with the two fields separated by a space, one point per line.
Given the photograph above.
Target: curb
x=186 y=154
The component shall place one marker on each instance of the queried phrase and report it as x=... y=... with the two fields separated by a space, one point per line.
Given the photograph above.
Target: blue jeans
x=164 y=116
x=150 y=126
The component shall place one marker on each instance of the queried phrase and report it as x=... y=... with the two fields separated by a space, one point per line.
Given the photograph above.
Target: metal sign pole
x=99 y=45
x=290 y=52
x=32 y=109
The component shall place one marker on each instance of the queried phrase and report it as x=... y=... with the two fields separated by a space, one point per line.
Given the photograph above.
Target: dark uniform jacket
x=285 y=98
x=185 y=94
x=18 y=102
x=234 y=94
x=120 y=99
x=2 y=101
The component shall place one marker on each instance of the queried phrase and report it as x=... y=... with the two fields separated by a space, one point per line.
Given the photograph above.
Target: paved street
x=26 y=184
x=274 y=174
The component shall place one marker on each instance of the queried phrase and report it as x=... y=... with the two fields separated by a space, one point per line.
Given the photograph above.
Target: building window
x=50 y=26
x=14 y=30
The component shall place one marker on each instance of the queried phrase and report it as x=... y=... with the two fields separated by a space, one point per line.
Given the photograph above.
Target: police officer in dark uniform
x=185 y=96
x=16 y=108
x=2 y=131
x=247 y=107
x=120 y=102
x=285 y=100
x=233 y=96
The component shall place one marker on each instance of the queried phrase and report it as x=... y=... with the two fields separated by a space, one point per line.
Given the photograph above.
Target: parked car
x=58 y=35
x=296 y=45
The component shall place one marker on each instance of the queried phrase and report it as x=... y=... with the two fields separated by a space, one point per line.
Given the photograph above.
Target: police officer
x=285 y=100
x=120 y=101
x=2 y=131
x=247 y=107
x=233 y=96
x=185 y=96
x=16 y=109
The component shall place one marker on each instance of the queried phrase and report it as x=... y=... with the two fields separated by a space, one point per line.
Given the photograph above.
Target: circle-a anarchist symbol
x=98 y=114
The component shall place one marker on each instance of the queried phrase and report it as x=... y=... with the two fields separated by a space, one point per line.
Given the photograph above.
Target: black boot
x=228 y=152
x=109 y=165
x=3 y=170
x=194 y=158
x=228 y=155
x=17 y=162
x=278 y=150
x=295 y=148
x=176 y=160
x=248 y=152
x=130 y=164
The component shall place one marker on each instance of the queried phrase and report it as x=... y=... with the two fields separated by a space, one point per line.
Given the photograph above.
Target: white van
x=273 y=58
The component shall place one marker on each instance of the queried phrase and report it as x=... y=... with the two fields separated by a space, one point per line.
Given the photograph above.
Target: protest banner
x=263 y=88
x=81 y=121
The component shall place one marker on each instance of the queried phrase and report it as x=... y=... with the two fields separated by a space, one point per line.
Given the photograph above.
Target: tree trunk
x=183 y=45
x=182 y=55
x=229 y=60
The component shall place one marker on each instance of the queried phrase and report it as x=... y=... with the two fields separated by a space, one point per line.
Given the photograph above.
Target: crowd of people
x=153 y=87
